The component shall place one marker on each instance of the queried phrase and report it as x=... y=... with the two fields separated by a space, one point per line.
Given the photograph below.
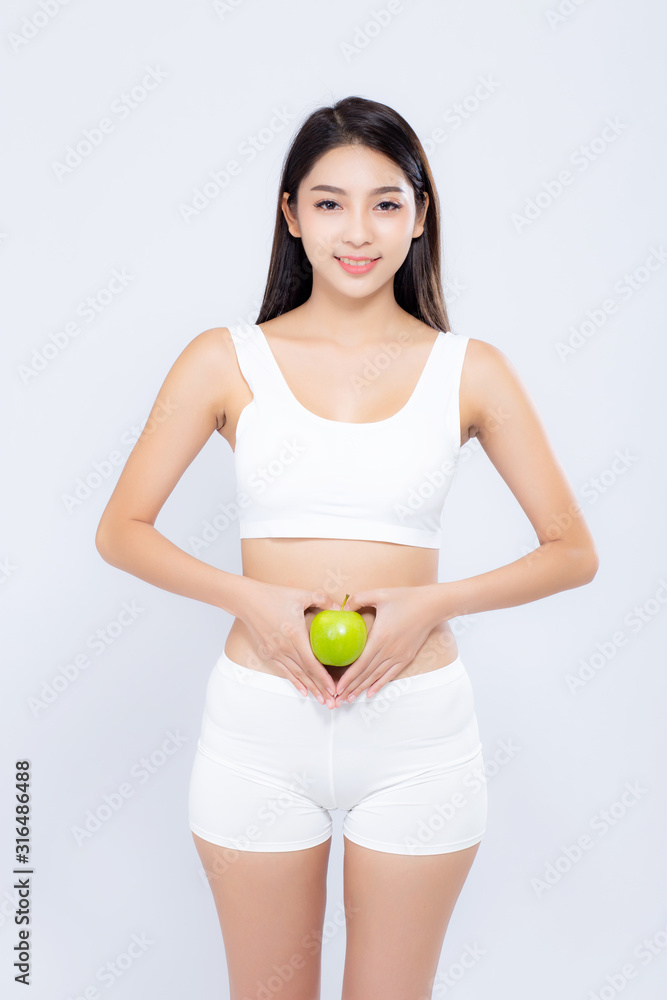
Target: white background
x=553 y=82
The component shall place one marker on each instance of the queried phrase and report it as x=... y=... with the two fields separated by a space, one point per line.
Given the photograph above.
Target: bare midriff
x=339 y=567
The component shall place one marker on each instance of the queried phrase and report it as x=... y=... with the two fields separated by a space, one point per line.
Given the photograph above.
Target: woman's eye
x=392 y=204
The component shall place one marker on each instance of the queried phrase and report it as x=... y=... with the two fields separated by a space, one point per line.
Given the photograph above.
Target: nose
x=357 y=229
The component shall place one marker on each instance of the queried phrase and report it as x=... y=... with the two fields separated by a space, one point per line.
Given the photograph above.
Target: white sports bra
x=299 y=475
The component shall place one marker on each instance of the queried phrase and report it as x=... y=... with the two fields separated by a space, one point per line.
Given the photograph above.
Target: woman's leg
x=409 y=765
x=271 y=908
x=399 y=908
x=259 y=784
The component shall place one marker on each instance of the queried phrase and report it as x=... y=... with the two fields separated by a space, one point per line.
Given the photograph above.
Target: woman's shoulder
x=209 y=359
x=486 y=359
x=490 y=382
x=212 y=346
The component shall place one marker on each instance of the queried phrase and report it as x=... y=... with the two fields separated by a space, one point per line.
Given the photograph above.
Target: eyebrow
x=337 y=190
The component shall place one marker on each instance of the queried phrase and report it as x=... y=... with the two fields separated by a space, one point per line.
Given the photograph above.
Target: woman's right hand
x=275 y=618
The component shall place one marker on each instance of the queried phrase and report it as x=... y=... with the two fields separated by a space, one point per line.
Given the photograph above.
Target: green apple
x=337 y=638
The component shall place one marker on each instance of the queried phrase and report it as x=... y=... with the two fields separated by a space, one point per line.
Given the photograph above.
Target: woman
x=346 y=410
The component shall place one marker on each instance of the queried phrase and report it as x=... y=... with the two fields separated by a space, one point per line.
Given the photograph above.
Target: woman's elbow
x=105 y=540
x=588 y=564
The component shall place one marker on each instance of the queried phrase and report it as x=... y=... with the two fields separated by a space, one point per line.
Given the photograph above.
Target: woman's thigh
x=271 y=909
x=398 y=908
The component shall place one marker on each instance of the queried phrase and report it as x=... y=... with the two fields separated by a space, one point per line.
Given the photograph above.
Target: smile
x=357 y=266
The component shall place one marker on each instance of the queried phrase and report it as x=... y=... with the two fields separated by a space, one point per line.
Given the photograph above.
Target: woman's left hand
x=404 y=617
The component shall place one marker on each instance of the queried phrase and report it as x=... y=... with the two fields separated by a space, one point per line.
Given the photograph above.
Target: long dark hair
x=356 y=120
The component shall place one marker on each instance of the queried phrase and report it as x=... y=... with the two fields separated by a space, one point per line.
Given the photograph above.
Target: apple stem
x=343 y=604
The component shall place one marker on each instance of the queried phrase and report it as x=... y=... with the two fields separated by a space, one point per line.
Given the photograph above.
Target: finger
x=371 y=684
x=320 y=599
x=361 y=667
x=363 y=599
x=380 y=682
x=355 y=687
x=368 y=679
x=350 y=677
x=300 y=678
x=315 y=679
x=317 y=673
x=319 y=683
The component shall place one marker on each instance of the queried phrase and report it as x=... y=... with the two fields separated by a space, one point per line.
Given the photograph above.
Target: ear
x=290 y=217
x=421 y=217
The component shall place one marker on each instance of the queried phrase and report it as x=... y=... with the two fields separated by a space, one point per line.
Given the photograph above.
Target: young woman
x=346 y=406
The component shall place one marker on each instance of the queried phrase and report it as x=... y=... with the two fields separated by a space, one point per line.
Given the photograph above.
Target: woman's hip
x=414 y=723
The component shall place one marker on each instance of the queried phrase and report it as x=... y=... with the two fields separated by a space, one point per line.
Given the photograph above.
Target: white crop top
x=299 y=475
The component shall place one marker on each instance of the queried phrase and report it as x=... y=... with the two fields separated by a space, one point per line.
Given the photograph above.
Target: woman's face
x=339 y=213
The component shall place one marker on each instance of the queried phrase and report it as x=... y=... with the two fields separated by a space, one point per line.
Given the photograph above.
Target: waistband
x=283 y=685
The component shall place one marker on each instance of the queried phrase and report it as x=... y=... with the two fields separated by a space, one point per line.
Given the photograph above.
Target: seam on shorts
x=260 y=846
x=331 y=765
x=457 y=845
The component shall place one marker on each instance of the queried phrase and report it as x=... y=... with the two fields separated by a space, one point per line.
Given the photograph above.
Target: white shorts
x=405 y=765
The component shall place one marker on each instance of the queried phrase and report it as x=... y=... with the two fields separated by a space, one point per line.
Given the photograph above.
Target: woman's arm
x=188 y=409
x=511 y=433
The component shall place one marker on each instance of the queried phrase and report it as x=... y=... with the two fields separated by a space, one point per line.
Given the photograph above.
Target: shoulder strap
x=443 y=371
x=457 y=345
x=254 y=364
x=440 y=390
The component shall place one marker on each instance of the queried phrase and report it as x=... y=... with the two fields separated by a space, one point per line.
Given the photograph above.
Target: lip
x=354 y=268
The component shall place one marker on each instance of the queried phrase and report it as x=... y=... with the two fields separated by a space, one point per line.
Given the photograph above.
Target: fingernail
x=352 y=697
x=330 y=703
x=320 y=698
